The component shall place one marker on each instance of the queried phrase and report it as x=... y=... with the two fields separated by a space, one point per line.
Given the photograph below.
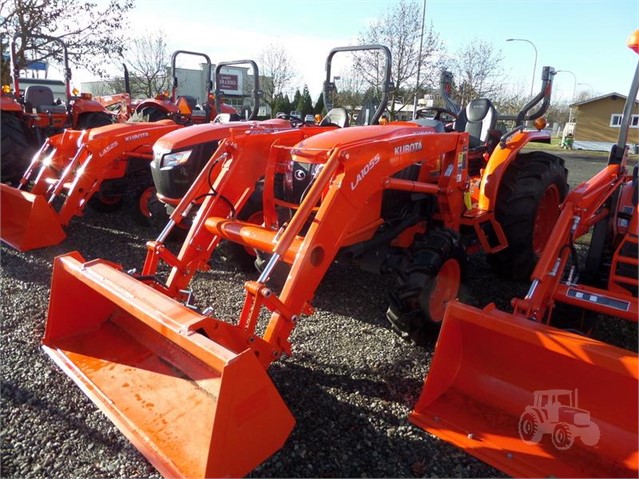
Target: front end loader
x=70 y=171
x=489 y=387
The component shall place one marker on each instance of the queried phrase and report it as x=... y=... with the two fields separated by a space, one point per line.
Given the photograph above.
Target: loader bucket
x=28 y=221
x=193 y=407
x=486 y=388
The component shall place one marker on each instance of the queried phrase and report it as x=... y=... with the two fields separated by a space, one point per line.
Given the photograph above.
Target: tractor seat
x=337 y=116
x=41 y=98
x=480 y=118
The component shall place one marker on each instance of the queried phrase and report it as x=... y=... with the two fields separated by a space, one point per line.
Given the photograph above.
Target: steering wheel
x=295 y=121
x=441 y=114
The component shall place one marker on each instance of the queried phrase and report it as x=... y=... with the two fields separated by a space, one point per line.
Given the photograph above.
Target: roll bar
x=387 y=85
x=617 y=152
x=16 y=68
x=445 y=88
x=256 y=93
x=543 y=97
x=209 y=83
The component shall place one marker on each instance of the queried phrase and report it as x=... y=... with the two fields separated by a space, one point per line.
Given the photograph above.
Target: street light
x=532 y=85
x=419 y=61
x=574 y=91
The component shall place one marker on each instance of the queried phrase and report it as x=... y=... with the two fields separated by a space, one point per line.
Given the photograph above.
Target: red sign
x=227 y=82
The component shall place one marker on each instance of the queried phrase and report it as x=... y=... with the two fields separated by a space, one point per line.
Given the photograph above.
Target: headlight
x=177 y=158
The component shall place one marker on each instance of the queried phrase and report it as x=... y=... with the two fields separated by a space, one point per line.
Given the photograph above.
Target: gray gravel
x=350 y=383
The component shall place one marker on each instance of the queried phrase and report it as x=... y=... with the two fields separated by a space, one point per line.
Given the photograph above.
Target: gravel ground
x=350 y=383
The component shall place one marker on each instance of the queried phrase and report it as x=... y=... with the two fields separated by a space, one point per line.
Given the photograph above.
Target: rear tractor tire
x=429 y=276
x=531 y=191
x=16 y=150
x=530 y=428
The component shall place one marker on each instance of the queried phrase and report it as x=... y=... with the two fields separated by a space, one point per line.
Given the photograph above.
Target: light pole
x=574 y=91
x=419 y=61
x=532 y=85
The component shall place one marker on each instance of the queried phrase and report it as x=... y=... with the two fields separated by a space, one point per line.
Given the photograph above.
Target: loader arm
x=584 y=207
x=226 y=182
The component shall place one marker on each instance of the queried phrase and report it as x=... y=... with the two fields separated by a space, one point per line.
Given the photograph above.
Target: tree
x=281 y=104
x=319 y=108
x=296 y=98
x=88 y=30
x=400 y=30
x=305 y=103
x=278 y=72
x=148 y=61
x=477 y=70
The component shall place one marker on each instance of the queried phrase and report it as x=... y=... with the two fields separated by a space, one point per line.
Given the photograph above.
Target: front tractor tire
x=429 y=276
x=531 y=191
x=148 y=210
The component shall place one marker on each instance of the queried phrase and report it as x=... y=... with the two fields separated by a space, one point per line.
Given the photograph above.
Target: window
x=615 y=120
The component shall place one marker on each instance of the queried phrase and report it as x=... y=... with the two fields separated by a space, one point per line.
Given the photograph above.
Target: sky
x=584 y=37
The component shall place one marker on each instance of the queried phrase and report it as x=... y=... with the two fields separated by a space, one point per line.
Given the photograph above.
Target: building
x=598 y=121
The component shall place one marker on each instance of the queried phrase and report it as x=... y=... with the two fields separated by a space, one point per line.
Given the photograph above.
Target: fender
x=499 y=161
x=9 y=104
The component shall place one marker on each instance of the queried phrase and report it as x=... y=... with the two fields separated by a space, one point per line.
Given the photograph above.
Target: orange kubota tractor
x=184 y=109
x=99 y=166
x=532 y=392
x=30 y=116
x=180 y=156
x=393 y=198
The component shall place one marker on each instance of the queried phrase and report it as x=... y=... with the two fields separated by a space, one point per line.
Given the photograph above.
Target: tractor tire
x=574 y=319
x=105 y=204
x=429 y=276
x=591 y=436
x=16 y=152
x=94 y=119
x=530 y=428
x=148 y=210
x=531 y=191
x=562 y=436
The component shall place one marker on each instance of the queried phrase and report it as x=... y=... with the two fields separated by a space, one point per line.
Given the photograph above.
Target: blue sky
x=585 y=37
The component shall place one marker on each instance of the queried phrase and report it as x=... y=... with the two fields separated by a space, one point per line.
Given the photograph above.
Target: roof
x=591 y=100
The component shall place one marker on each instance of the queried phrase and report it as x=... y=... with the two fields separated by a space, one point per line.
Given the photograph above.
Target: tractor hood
x=198 y=134
x=350 y=137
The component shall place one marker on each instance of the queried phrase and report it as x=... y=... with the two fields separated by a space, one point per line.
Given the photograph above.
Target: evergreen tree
x=319 y=106
x=296 y=98
x=305 y=103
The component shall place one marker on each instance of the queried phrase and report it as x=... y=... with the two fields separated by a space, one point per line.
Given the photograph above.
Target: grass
x=582 y=164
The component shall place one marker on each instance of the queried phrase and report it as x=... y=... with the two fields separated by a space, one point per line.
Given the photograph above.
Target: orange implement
x=529 y=399
x=192 y=406
x=28 y=220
